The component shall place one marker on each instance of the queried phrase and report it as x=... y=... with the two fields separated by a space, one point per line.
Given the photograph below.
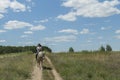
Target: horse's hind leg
x=38 y=64
x=41 y=65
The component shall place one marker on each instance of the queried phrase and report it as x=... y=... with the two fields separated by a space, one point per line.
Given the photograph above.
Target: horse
x=40 y=58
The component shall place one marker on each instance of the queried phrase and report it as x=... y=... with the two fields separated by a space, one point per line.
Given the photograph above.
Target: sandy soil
x=37 y=73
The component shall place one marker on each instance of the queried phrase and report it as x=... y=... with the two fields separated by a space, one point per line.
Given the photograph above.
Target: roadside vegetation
x=87 y=65
x=17 y=49
x=16 y=66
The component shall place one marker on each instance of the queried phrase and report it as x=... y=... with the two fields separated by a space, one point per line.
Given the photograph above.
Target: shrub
x=71 y=49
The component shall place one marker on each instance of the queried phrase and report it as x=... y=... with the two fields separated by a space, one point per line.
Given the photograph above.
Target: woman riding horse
x=38 y=49
x=39 y=55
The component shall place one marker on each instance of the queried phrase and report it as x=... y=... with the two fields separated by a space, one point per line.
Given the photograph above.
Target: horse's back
x=40 y=54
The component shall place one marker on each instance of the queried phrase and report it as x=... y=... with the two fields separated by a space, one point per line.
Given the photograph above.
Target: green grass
x=16 y=66
x=90 y=66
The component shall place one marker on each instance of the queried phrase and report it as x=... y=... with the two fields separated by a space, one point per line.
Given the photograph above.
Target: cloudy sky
x=60 y=24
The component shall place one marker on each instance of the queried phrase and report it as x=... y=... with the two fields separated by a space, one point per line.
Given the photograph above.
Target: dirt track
x=37 y=73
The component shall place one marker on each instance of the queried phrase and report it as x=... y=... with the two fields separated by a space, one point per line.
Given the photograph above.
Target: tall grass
x=90 y=66
x=17 y=67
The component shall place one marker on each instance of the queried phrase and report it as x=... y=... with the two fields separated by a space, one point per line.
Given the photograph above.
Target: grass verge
x=90 y=66
x=17 y=67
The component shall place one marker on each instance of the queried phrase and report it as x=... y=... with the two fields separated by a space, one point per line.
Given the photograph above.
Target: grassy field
x=71 y=66
x=16 y=66
x=89 y=66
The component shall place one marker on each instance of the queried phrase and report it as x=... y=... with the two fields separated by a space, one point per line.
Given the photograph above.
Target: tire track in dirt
x=55 y=73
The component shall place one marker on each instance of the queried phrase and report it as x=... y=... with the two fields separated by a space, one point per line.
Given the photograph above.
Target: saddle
x=41 y=54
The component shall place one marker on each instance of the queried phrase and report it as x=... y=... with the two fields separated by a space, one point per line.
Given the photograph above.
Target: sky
x=60 y=24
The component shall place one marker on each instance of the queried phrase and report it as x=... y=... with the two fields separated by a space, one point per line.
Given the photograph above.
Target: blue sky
x=60 y=24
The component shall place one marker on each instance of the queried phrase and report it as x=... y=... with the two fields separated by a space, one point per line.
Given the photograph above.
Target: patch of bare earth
x=37 y=73
x=55 y=73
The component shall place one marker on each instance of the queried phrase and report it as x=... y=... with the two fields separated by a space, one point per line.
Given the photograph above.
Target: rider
x=38 y=49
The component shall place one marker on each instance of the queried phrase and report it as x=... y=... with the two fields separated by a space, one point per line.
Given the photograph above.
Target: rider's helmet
x=39 y=44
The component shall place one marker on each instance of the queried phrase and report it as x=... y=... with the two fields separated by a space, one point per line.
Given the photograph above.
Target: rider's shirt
x=38 y=49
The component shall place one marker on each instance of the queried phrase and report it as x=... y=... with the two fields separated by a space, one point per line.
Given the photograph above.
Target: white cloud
x=100 y=37
x=39 y=27
x=4 y=4
x=1 y=16
x=17 y=7
x=117 y=37
x=11 y=4
x=102 y=43
x=85 y=31
x=29 y=8
x=89 y=41
x=2 y=41
x=43 y=21
x=24 y=36
x=68 y=17
x=117 y=31
x=105 y=28
x=16 y=24
x=62 y=38
x=28 y=0
x=89 y=8
x=1 y=31
x=72 y=31
x=28 y=32
x=90 y=24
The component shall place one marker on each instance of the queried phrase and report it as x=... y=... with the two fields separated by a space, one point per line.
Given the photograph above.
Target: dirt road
x=37 y=73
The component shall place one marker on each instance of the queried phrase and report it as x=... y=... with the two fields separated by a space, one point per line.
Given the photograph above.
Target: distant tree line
x=103 y=49
x=15 y=49
x=71 y=49
x=108 y=48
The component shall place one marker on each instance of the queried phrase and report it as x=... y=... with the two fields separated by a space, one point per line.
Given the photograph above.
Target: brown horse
x=40 y=59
